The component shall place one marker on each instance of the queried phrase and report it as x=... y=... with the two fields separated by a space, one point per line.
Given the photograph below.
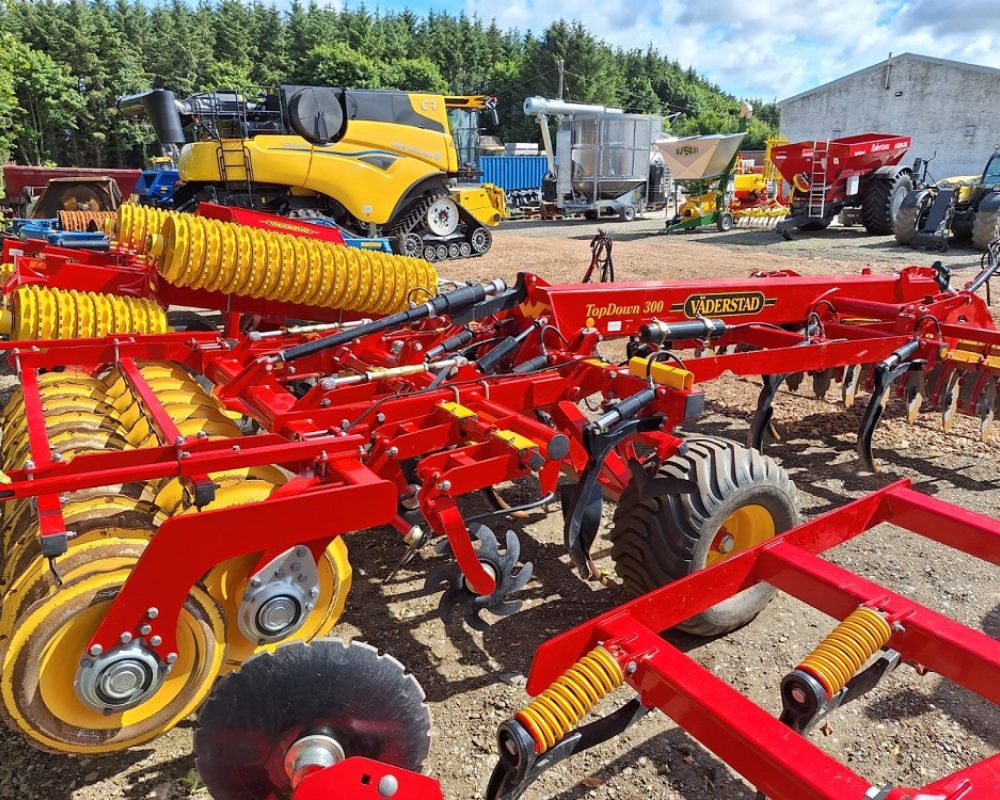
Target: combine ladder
x=817 y=180
x=235 y=155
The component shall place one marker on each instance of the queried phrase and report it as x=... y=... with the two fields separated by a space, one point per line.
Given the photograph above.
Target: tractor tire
x=881 y=199
x=986 y=221
x=743 y=499
x=816 y=224
x=910 y=213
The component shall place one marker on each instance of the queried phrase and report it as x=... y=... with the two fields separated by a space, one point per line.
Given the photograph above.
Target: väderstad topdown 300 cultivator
x=152 y=478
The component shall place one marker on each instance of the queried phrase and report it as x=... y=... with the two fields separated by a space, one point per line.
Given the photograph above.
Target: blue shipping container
x=514 y=172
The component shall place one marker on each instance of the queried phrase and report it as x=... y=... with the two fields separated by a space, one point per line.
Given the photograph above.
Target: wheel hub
x=442 y=217
x=310 y=754
x=279 y=598
x=120 y=679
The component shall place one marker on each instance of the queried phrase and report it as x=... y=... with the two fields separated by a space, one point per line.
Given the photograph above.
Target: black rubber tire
x=627 y=214
x=961 y=229
x=816 y=224
x=665 y=537
x=590 y=215
x=724 y=223
x=911 y=213
x=881 y=199
x=986 y=222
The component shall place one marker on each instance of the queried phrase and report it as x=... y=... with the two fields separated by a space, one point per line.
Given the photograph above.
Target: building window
x=835 y=134
x=970 y=131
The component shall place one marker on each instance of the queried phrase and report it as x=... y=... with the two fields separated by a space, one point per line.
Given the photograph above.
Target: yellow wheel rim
x=41 y=661
x=746 y=527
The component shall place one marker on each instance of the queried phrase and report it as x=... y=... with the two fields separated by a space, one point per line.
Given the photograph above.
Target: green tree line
x=63 y=63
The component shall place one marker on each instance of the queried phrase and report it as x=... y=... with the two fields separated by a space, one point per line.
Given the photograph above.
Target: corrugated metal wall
x=514 y=172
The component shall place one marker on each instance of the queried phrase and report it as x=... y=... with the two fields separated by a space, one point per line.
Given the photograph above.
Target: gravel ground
x=907 y=731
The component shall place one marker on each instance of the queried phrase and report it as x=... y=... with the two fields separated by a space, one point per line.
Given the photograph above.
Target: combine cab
x=967 y=208
x=858 y=177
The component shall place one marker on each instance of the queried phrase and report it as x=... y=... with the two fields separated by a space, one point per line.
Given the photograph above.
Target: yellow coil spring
x=557 y=710
x=38 y=312
x=236 y=259
x=838 y=658
x=81 y=220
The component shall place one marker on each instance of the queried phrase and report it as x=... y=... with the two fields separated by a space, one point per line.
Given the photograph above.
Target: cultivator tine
x=794 y=380
x=849 y=386
x=949 y=399
x=821 y=381
x=886 y=374
x=914 y=394
x=765 y=411
x=988 y=408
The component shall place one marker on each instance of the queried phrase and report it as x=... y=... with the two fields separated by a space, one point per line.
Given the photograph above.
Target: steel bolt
x=727 y=543
x=29 y=464
x=897 y=627
x=444 y=486
x=171 y=658
x=631 y=667
x=310 y=606
x=96 y=650
x=303 y=578
x=314 y=592
x=388 y=786
x=300 y=552
x=145 y=630
x=57 y=457
x=324 y=403
x=179 y=441
x=392 y=452
x=380 y=417
x=255 y=583
x=156 y=641
x=296 y=566
x=126 y=637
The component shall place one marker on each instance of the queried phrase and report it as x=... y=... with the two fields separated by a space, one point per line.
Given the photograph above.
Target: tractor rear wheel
x=743 y=499
x=881 y=199
x=911 y=213
x=986 y=221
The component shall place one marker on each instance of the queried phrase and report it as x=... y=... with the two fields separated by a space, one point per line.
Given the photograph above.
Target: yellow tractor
x=378 y=164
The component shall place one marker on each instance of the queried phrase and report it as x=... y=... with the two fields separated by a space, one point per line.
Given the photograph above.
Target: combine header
x=858 y=177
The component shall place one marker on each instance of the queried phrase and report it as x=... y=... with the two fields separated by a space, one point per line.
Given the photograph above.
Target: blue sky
x=763 y=48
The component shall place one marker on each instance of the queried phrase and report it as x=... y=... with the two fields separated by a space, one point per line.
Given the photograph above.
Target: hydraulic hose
x=449 y=303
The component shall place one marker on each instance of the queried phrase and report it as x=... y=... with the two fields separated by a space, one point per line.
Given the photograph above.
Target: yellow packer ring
x=41 y=662
x=227 y=583
x=38 y=582
x=746 y=527
x=341 y=276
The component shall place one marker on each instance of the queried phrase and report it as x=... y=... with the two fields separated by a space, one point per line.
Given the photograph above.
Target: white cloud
x=774 y=48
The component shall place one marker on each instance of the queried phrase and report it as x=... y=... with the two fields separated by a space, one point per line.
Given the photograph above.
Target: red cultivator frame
x=782 y=764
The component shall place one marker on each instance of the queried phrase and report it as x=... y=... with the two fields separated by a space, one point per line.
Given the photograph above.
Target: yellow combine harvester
x=375 y=163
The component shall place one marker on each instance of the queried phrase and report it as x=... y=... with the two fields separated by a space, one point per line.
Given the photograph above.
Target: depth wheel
x=344 y=699
x=41 y=662
x=227 y=583
x=744 y=499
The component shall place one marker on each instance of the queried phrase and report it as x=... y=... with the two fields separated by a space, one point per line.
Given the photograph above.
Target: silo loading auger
x=234 y=465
